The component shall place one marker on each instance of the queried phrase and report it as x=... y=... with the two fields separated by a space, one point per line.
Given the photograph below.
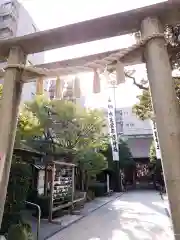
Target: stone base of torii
x=149 y=21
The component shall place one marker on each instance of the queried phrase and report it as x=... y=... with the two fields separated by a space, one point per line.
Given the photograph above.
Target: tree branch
x=140 y=86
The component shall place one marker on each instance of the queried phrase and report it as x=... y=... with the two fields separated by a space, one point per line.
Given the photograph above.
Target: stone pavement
x=166 y=203
x=48 y=229
x=138 y=215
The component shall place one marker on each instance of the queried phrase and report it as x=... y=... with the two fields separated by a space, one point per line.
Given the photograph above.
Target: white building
x=136 y=132
x=16 y=21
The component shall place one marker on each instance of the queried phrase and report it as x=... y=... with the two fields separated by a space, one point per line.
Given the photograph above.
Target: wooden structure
x=35 y=159
x=62 y=186
x=27 y=154
x=152 y=50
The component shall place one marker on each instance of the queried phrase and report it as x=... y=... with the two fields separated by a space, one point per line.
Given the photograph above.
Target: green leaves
x=143 y=109
x=152 y=153
x=75 y=127
x=91 y=162
x=66 y=126
x=1 y=90
x=60 y=127
x=125 y=156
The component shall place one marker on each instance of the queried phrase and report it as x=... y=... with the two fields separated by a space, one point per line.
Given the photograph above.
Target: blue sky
x=54 y=13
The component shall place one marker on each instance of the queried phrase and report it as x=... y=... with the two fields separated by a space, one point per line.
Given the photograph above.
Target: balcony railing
x=9 y=9
x=6 y=34
x=8 y=23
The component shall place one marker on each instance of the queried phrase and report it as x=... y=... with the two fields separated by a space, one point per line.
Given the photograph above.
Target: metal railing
x=39 y=217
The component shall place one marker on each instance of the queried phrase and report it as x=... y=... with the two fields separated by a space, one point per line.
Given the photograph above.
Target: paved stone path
x=138 y=215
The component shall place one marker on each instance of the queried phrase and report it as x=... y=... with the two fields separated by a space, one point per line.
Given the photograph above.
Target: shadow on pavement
x=136 y=215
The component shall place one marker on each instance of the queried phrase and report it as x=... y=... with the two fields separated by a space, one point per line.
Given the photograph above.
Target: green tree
x=38 y=107
x=63 y=127
x=41 y=139
x=152 y=153
x=28 y=126
x=125 y=156
x=90 y=163
x=76 y=128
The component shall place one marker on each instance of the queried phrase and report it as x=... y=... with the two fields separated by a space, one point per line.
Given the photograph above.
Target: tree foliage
x=91 y=162
x=60 y=127
x=28 y=126
x=152 y=153
x=76 y=127
x=19 y=182
x=1 y=90
x=125 y=156
x=66 y=126
x=143 y=109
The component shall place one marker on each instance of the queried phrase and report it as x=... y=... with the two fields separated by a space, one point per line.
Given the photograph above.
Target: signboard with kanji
x=156 y=140
x=112 y=130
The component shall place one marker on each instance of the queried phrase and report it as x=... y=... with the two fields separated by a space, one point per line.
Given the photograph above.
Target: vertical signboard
x=112 y=129
x=121 y=131
x=156 y=139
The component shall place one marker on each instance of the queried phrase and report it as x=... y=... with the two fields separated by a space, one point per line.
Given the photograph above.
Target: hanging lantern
x=39 y=86
x=120 y=76
x=96 y=82
x=58 y=91
x=76 y=88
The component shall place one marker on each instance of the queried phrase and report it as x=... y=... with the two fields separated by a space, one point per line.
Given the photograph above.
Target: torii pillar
x=167 y=113
x=9 y=109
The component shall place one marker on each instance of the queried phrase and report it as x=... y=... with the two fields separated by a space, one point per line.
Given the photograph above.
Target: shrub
x=43 y=202
x=20 y=232
x=98 y=188
x=16 y=195
x=10 y=219
x=18 y=187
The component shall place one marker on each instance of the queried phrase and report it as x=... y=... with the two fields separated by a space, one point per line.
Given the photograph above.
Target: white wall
x=128 y=123
x=134 y=126
x=40 y=185
x=136 y=132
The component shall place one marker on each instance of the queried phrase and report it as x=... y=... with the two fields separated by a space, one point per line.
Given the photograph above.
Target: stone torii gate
x=152 y=50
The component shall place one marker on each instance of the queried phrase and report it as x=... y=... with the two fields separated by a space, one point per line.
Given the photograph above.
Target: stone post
x=10 y=101
x=167 y=113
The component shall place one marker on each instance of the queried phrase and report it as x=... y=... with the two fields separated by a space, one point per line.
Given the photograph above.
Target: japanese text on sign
x=112 y=130
x=156 y=140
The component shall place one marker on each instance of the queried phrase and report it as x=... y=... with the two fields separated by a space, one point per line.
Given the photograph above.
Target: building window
x=6 y=17
x=129 y=124
x=7 y=5
x=125 y=113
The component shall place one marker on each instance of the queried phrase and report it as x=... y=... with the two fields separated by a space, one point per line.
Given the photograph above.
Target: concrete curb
x=83 y=216
x=165 y=208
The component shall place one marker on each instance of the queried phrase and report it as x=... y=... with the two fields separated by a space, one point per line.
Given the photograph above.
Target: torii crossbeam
x=150 y=21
